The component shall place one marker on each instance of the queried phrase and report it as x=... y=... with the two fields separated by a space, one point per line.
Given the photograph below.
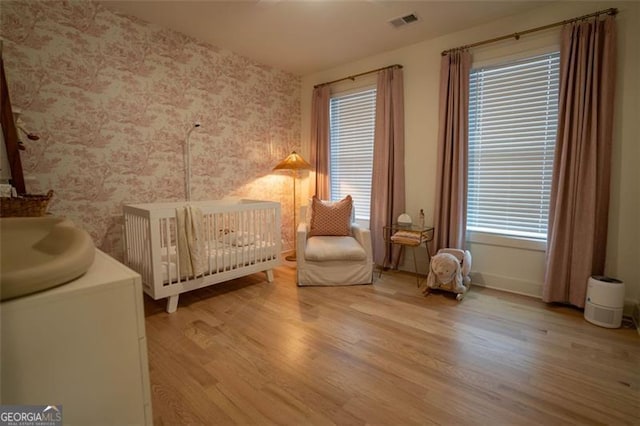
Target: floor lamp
x=295 y=163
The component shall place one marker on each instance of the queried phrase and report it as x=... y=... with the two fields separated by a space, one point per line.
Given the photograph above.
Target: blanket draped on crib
x=192 y=256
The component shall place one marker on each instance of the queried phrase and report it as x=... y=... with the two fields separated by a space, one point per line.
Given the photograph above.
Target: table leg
x=384 y=260
x=415 y=266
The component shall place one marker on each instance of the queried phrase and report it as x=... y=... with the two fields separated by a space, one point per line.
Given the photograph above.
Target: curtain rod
x=353 y=77
x=611 y=11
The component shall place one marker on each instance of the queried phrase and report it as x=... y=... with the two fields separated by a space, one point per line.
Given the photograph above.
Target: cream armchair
x=333 y=261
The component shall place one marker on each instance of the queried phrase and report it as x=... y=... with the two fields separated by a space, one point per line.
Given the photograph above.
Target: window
x=513 y=114
x=352 y=123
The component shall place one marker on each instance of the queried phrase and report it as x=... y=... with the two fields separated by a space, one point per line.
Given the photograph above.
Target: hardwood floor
x=250 y=352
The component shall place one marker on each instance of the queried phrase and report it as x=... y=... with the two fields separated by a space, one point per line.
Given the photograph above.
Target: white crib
x=242 y=237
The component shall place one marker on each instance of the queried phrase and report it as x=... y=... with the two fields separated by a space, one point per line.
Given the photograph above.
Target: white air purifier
x=605 y=301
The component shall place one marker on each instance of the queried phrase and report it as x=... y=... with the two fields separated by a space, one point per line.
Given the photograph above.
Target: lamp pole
x=293 y=257
x=295 y=163
x=188 y=162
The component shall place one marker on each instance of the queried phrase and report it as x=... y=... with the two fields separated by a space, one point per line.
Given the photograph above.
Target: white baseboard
x=632 y=309
x=285 y=253
x=511 y=285
x=533 y=289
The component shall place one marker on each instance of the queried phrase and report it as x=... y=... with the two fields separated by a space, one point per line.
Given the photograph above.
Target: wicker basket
x=25 y=205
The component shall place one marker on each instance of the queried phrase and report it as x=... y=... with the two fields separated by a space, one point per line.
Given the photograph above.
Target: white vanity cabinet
x=81 y=345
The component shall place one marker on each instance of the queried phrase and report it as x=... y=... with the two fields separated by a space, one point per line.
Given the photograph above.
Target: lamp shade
x=294 y=161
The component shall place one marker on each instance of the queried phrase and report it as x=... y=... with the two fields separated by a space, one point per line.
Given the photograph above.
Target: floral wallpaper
x=112 y=98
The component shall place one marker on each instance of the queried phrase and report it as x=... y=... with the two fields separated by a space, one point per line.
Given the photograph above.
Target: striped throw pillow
x=331 y=218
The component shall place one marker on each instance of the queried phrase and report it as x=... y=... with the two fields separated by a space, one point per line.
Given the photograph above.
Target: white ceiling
x=303 y=37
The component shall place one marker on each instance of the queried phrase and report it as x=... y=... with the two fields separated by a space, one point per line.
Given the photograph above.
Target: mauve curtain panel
x=387 y=183
x=579 y=205
x=450 y=214
x=319 y=182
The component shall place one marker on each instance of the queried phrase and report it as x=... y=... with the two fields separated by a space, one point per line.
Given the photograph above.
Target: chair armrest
x=363 y=236
x=301 y=241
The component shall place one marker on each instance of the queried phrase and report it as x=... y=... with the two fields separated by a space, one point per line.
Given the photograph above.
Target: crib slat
x=260 y=233
x=207 y=233
x=255 y=237
x=216 y=228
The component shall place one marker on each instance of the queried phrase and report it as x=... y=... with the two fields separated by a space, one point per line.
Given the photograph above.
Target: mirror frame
x=10 y=133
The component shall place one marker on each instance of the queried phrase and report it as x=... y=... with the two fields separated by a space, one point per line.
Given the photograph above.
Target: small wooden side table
x=406 y=236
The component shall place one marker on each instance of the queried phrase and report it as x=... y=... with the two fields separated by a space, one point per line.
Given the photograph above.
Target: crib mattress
x=224 y=257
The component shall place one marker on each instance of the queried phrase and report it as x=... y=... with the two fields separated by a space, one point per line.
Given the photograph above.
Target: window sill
x=506 y=241
x=363 y=223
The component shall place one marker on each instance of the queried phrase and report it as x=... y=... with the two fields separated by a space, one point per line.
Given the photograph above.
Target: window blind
x=513 y=115
x=352 y=124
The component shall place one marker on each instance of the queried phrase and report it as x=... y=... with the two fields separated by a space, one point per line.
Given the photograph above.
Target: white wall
x=514 y=269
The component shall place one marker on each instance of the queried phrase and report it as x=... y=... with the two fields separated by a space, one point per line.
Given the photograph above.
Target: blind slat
x=513 y=114
x=352 y=123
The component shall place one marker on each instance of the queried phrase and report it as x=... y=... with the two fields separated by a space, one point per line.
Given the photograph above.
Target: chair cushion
x=330 y=218
x=324 y=248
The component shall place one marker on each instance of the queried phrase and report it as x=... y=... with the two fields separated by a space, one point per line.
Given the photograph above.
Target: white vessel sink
x=38 y=253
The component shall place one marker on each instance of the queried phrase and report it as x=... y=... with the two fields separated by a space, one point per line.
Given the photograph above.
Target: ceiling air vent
x=404 y=20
